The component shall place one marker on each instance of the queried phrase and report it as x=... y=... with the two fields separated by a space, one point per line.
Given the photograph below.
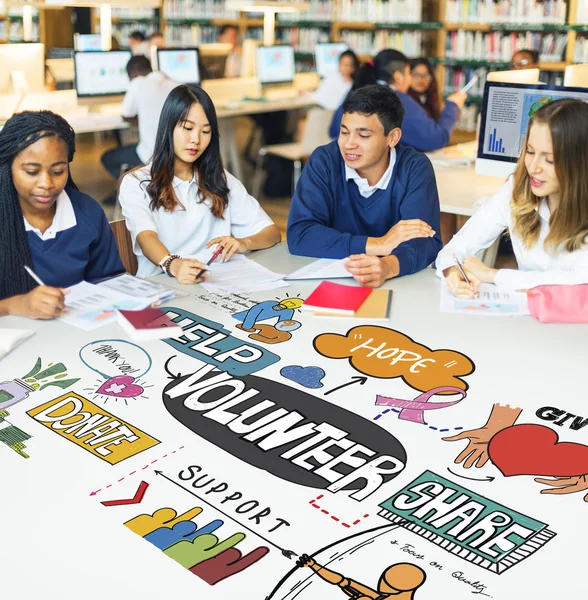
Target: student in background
x=156 y=39
x=143 y=101
x=423 y=87
x=184 y=201
x=525 y=59
x=229 y=34
x=366 y=197
x=47 y=224
x=419 y=131
x=137 y=43
x=543 y=206
x=334 y=88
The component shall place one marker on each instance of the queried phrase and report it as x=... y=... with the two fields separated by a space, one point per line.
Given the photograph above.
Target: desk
x=229 y=149
x=54 y=521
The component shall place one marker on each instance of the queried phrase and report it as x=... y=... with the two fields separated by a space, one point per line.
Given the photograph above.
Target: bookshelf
x=11 y=24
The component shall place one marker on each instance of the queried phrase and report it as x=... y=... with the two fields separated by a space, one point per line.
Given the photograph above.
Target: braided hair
x=21 y=131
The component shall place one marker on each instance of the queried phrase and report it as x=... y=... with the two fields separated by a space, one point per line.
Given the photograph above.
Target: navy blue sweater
x=329 y=218
x=85 y=252
x=419 y=130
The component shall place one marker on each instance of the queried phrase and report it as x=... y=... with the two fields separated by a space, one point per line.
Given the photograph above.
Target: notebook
x=375 y=308
x=336 y=298
x=148 y=324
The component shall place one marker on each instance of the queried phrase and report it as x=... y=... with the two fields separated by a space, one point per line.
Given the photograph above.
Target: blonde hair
x=568 y=225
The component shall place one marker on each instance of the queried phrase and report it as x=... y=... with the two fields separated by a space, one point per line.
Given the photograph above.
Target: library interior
x=314 y=272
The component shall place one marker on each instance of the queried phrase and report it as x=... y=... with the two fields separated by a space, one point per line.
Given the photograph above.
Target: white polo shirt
x=536 y=265
x=145 y=99
x=187 y=229
x=64 y=218
x=365 y=189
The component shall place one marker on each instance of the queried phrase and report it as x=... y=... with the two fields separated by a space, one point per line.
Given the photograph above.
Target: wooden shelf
x=467 y=26
x=553 y=66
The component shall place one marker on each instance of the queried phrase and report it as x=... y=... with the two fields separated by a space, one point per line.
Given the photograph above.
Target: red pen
x=212 y=259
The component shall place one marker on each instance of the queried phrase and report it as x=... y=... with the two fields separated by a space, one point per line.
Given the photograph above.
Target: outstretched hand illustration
x=399 y=581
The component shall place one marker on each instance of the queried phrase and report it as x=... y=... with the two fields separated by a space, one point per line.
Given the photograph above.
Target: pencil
x=33 y=275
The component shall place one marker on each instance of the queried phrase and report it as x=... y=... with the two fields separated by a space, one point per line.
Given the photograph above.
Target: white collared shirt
x=536 y=265
x=145 y=99
x=332 y=91
x=64 y=218
x=188 y=228
x=365 y=189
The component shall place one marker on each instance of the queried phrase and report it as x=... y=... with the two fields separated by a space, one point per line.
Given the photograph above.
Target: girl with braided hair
x=45 y=221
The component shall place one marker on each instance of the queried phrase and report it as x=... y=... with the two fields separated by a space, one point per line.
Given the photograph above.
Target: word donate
x=82 y=422
x=387 y=354
x=474 y=528
x=287 y=432
x=209 y=342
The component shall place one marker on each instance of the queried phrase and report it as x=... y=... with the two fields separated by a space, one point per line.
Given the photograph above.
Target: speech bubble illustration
x=121 y=363
x=387 y=354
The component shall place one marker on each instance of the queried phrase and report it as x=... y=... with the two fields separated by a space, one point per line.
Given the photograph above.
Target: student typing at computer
x=47 y=223
x=419 y=130
x=143 y=101
x=367 y=197
x=183 y=201
x=543 y=206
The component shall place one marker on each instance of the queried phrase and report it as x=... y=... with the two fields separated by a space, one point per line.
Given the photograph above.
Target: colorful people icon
x=399 y=581
x=279 y=331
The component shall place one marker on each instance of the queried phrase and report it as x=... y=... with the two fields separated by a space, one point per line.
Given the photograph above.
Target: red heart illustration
x=121 y=386
x=534 y=450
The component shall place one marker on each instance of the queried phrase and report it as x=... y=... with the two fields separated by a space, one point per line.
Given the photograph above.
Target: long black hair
x=212 y=180
x=381 y=69
x=19 y=132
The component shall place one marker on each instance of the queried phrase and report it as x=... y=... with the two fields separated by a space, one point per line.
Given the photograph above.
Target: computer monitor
x=515 y=76
x=327 y=58
x=102 y=73
x=179 y=64
x=576 y=75
x=275 y=64
x=28 y=58
x=88 y=42
x=214 y=59
x=506 y=110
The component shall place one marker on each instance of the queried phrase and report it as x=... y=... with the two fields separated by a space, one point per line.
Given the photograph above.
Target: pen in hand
x=463 y=273
x=214 y=256
x=33 y=275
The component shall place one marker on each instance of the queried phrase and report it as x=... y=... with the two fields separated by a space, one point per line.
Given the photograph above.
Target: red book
x=336 y=298
x=147 y=324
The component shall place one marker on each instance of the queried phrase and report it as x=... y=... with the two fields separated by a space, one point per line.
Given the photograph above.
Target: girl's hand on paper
x=231 y=245
x=186 y=270
x=479 y=270
x=43 y=302
x=458 y=286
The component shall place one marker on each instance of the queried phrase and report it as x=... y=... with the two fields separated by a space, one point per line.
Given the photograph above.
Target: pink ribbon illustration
x=412 y=410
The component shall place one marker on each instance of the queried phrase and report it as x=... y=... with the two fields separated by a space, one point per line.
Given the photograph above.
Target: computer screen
x=275 y=64
x=28 y=58
x=179 y=64
x=327 y=58
x=88 y=42
x=506 y=110
x=101 y=73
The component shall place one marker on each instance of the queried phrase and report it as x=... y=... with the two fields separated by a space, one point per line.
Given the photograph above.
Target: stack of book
x=337 y=300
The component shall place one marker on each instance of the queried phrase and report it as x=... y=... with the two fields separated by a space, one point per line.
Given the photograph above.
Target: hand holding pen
x=214 y=256
x=459 y=283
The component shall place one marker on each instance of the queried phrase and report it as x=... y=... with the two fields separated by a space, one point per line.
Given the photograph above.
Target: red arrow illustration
x=136 y=499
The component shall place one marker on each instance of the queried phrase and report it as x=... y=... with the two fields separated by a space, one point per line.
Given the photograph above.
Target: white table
x=80 y=548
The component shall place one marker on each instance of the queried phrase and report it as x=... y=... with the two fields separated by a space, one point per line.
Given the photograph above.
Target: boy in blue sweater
x=419 y=130
x=366 y=197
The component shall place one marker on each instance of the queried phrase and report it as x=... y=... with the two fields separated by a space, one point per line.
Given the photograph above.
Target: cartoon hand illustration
x=565 y=485
x=305 y=561
x=476 y=452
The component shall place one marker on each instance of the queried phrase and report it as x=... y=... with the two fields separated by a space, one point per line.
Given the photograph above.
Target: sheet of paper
x=139 y=288
x=324 y=268
x=89 y=306
x=492 y=301
x=240 y=274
